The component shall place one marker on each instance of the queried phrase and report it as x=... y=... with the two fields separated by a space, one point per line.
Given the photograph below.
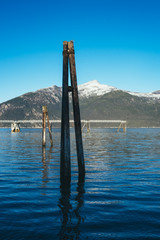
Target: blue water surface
x=118 y=199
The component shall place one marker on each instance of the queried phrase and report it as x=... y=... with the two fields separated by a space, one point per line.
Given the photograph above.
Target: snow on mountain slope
x=94 y=88
x=156 y=92
x=49 y=94
x=86 y=90
x=146 y=95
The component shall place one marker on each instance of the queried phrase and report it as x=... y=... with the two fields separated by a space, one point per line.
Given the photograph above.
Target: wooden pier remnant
x=44 y=117
x=69 y=59
x=123 y=126
x=87 y=125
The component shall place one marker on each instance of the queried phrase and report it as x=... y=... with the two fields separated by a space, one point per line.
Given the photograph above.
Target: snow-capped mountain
x=152 y=95
x=156 y=92
x=48 y=95
x=97 y=101
x=94 y=88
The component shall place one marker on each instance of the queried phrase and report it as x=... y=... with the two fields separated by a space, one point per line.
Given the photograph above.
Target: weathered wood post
x=65 y=167
x=84 y=125
x=44 y=116
x=49 y=129
x=44 y=110
x=124 y=126
x=119 y=127
x=76 y=110
x=88 y=127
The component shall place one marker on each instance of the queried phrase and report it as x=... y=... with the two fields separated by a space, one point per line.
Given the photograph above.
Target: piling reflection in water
x=71 y=217
x=45 y=161
x=70 y=203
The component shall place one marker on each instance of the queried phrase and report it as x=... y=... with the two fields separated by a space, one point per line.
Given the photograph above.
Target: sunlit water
x=120 y=198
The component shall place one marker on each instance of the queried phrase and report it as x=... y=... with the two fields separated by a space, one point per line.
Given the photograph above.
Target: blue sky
x=117 y=42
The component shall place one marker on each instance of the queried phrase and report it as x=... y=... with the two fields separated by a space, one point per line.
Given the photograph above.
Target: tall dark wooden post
x=65 y=167
x=76 y=110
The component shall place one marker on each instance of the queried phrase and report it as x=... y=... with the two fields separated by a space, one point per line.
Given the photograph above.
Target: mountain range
x=97 y=102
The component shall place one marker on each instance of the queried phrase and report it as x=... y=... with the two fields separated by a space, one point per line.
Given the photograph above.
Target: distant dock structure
x=85 y=123
x=122 y=124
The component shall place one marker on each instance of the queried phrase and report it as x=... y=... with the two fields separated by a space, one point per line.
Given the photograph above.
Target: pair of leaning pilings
x=65 y=168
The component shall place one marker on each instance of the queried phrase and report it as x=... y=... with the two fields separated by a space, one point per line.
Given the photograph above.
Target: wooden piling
x=119 y=127
x=83 y=126
x=76 y=110
x=44 y=110
x=124 y=127
x=49 y=129
x=44 y=117
x=65 y=167
x=88 y=127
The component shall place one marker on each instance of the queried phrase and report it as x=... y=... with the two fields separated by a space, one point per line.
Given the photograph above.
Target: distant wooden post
x=119 y=127
x=44 y=116
x=68 y=54
x=49 y=129
x=65 y=167
x=124 y=127
x=84 y=125
x=44 y=110
x=88 y=127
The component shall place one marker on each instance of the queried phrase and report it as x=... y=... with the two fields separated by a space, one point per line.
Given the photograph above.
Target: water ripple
x=118 y=199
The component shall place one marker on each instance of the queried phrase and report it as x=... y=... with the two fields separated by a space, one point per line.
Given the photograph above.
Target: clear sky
x=117 y=42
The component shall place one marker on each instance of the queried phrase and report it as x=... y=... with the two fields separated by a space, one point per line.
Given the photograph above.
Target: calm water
x=120 y=198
